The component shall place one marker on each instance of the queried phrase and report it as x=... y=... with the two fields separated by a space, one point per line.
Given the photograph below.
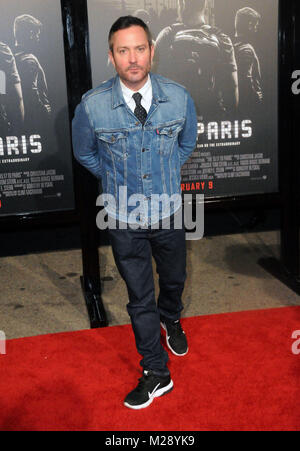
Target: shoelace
x=144 y=381
x=175 y=327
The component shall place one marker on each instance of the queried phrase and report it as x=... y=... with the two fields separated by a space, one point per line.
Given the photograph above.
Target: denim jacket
x=113 y=145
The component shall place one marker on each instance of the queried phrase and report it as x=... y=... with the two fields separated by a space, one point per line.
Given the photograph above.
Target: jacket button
x=143 y=150
x=145 y=176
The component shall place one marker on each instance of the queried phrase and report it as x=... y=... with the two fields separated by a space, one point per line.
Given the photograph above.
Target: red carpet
x=240 y=374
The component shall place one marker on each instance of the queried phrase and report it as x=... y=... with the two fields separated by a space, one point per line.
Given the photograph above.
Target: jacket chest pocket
x=115 y=144
x=167 y=135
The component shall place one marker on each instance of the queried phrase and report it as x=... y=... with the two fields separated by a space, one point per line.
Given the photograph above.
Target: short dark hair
x=127 y=22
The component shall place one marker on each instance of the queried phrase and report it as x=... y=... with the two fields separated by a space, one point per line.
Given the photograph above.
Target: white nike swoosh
x=151 y=394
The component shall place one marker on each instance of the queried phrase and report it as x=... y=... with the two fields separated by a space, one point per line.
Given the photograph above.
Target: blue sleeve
x=85 y=142
x=188 y=136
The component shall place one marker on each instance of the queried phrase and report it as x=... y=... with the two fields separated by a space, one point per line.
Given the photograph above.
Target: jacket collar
x=157 y=91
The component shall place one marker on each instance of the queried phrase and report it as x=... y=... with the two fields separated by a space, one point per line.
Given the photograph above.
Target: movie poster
x=225 y=52
x=35 y=146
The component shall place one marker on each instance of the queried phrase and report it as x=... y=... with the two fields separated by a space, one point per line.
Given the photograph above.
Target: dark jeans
x=133 y=251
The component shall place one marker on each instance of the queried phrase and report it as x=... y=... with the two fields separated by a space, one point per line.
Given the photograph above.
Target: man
x=11 y=100
x=27 y=30
x=202 y=58
x=135 y=131
x=250 y=90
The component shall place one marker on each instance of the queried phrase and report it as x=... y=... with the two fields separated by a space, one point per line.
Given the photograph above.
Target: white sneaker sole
x=168 y=344
x=162 y=391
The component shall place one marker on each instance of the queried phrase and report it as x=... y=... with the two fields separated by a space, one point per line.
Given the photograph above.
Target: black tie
x=139 y=111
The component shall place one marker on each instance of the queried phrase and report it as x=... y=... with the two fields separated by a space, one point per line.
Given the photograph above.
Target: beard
x=134 y=76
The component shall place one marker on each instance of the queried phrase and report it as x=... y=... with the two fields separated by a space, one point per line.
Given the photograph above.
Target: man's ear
x=111 y=58
x=152 y=51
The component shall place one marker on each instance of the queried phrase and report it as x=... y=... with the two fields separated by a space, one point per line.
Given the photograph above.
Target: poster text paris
x=225 y=129
x=17 y=146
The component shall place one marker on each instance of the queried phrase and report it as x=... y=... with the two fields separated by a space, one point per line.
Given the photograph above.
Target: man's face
x=253 y=26
x=132 y=57
x=33 y=39
x=37 y=35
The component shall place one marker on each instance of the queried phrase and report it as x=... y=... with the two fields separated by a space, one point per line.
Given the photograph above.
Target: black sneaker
x=150 y=386
x=175 y=337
